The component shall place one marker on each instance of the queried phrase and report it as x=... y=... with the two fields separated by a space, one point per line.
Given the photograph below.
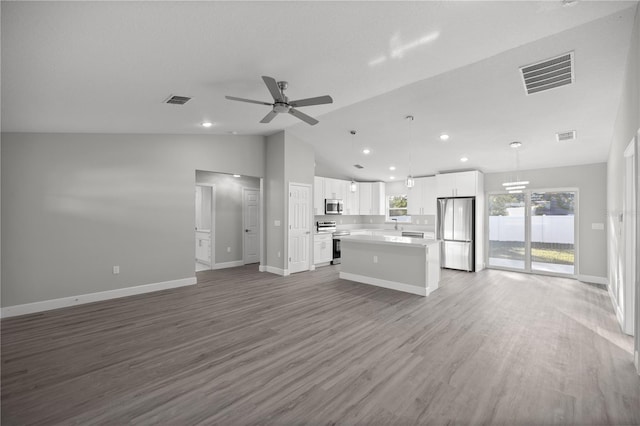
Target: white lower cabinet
x=203 y=248
x=322 y=248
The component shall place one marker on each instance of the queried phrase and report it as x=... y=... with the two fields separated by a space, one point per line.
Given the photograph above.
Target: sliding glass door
x=507 y=231
x=533 y=231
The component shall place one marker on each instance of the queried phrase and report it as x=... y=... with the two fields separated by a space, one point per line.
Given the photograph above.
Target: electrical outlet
x=375 y=259
x=278 y=254
x=370 y=220
x=228 y=249
x=276 y=223
x=116 y=270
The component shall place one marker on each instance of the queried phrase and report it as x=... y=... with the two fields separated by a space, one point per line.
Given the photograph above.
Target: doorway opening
x=205 y=220
x=533 y=231
x=229 y=221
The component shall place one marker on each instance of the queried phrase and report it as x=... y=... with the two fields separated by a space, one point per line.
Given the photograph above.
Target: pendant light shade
x=410 y=182
x=353 y=186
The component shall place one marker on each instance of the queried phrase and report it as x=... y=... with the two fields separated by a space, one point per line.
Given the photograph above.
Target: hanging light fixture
x=515 y=185
x=353 y=186
x=409 y=182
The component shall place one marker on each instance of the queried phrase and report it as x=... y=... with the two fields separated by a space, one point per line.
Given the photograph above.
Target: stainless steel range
x=330 y=226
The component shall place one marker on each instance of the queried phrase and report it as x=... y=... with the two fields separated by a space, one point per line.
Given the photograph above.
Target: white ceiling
x=106 y=67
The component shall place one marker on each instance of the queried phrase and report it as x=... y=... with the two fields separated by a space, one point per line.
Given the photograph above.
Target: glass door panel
x=552 y=232
x=507 y=231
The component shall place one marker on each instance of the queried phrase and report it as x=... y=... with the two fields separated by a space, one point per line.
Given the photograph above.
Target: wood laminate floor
x=244 y=347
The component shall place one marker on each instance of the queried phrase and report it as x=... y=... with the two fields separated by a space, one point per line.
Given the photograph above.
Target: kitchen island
x=406 y=264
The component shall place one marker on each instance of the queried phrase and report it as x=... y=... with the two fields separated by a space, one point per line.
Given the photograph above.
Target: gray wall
x=626 y=127
x=228 y=212
x=591 y=183
x=275 y=200
x=74 y=205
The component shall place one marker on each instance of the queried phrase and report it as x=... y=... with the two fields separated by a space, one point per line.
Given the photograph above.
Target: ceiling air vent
x=548 y=74
x=358 y=166
x=566 y=136
x=177 y=100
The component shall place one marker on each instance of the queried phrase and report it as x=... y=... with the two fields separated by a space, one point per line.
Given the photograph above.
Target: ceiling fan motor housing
x=281 y=107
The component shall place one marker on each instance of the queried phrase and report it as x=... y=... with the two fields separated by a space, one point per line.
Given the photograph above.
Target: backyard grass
x=559 y=254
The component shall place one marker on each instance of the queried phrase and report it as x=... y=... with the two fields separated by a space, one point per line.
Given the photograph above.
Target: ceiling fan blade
x=311 y=101
x=304 y=117
x=233 y=98
x=273 y=88
x=267 y=118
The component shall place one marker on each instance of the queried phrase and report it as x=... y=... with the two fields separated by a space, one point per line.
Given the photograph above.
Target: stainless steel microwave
x=333 y=206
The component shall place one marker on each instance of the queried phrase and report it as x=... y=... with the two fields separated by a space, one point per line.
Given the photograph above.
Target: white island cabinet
x=406 y=264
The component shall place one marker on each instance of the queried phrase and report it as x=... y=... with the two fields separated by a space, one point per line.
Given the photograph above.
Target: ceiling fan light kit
x=281 y=103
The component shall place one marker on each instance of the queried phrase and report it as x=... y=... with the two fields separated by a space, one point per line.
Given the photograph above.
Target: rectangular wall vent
x=566 y=136
x=177 y=100
x=548 y=74
x=358 y=166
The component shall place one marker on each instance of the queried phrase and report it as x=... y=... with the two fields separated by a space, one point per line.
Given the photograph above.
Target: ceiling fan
x=282 y=104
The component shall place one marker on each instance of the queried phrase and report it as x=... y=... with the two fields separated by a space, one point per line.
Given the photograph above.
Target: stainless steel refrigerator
x=456 y=230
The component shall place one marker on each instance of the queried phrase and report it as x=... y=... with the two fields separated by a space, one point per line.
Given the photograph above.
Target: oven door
x=336 y=251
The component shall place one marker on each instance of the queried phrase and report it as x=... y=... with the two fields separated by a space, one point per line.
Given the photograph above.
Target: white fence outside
x=544 y=229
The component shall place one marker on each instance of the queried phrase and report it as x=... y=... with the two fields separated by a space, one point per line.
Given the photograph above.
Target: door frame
x=629 y=223
x=310 y=231
x=244 y=189
x=213 y=222
x=527 y=224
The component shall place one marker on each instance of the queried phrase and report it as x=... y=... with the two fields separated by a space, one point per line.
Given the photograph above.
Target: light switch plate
x=276 y=223
x=597 y=226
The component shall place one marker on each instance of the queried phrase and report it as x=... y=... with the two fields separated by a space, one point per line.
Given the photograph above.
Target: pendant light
x=515 y=185
x=409 y=182
x=353 y=186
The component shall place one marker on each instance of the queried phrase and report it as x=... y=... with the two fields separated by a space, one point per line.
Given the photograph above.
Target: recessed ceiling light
x=522 y=182
x=392 y=177
x=511 y=188
x=392 y=168
x=366 y=151
x=236 y=175
x=233 y=132
x=515 y=144
x=464 y=159
x=207 y=124
x=444 y=137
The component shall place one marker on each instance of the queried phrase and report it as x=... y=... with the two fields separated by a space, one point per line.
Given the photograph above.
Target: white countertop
x=390 y=240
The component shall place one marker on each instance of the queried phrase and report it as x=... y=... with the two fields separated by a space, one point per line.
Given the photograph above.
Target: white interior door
x=299 y=227
x=251 y=224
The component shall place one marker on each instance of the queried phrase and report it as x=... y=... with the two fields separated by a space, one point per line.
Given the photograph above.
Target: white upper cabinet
x=421 y=198
x=462 y=184
x=372 y=198
x=335 y=189
x=365 y=198
x=352 y=200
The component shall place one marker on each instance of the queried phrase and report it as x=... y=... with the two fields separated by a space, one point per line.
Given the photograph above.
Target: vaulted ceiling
x=107 y=67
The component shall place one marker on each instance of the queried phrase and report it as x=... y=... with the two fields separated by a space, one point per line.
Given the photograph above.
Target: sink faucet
x=396 y=225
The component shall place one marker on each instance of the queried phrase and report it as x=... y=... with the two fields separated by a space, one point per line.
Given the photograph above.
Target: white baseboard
x=636 y=361
x=64 y=302
x=277 y=271
x=312 y=268
x=616 y=309
x=592 y=279
x=384 y=283
x=262 y=268
x=224 y=265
